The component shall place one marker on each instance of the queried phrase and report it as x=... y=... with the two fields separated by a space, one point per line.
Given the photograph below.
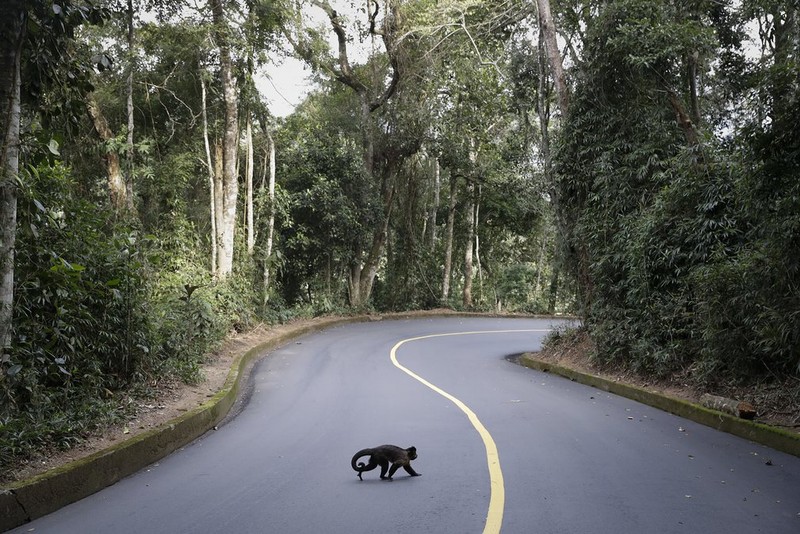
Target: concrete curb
x=773 y=437
x=26 y=500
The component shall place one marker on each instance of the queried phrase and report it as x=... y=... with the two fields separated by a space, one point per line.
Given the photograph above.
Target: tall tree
x=130 y=66
x=372 y=94
x=212 y=173
x=229 y=180
x=448 y=238
x=119 y=170
x=547 y=29
x=271 y=218
x=117 y=191
x=13 y=20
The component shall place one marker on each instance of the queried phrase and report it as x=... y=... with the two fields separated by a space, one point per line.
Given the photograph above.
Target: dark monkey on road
x=383 y=456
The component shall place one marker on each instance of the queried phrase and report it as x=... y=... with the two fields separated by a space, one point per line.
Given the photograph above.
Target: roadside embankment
x=773 y=437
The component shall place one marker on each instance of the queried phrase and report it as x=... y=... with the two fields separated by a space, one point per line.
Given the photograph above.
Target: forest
x=630 y=162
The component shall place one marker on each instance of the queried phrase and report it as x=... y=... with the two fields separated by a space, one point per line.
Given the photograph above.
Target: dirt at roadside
x=777 y=402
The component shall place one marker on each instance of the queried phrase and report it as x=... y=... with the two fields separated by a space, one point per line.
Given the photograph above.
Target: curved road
x=500 y=446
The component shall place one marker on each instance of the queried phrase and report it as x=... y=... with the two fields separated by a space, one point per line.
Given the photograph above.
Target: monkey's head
x=412 y=453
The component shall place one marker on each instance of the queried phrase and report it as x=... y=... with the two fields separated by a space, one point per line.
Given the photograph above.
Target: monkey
x=383 y=456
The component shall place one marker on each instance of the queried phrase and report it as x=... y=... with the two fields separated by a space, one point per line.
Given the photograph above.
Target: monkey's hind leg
x=369 y=467
x=384 y=467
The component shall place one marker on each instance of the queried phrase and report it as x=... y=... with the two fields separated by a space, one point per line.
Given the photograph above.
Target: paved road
x=572 y=459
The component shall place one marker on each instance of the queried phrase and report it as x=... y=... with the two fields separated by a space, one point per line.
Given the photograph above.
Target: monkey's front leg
x=410 y=471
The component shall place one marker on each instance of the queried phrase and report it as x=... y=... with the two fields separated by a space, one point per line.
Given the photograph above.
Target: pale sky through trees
x=285 y=85
x=288 y=81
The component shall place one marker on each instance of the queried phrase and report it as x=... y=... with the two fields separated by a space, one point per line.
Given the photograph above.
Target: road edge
x=769 y=436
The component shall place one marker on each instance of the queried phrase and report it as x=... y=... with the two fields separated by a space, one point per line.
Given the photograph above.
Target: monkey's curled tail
x=360 y=467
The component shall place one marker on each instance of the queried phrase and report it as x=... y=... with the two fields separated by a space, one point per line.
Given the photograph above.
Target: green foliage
x=101 y=313
x=686 y=254
x=80 y=318
x=77 y=291
x=328 y=208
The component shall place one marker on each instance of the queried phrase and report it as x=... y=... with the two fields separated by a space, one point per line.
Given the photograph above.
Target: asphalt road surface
x=500 y=447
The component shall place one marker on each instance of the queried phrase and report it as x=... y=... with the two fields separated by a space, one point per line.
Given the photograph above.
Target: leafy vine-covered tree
x=384 y=21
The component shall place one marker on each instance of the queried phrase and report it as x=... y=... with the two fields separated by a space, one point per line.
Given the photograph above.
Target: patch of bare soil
x=777 y=402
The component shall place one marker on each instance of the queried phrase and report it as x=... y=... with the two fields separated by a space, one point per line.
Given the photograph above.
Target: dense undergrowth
x=776 y=398
x=683 y=239
x=104 y=315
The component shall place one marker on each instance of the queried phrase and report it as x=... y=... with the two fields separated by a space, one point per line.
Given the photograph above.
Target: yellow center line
x=494 y=517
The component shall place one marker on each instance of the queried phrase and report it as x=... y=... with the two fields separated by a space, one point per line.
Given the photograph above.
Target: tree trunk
x=435 y=205
x=230 y=142
x=248 y=173
x=475 y=224
x=219 y=173
x=448 y=246
x=271 y=223
x=694 y=97
x=784 y=38
x=537 y=289
x=553 y=300
x=543 y=111
x=548 y=31
x=470 y=223
x=129 y=203
x=12 y=33
x=363 y=274
x=117 y=191
x=584 y=277
x=683 y=119
x=211 y=180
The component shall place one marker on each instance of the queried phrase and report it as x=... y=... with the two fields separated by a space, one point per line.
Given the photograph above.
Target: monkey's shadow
x=372 y=481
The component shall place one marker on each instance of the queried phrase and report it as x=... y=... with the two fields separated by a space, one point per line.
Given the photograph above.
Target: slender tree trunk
x=476 y=222
x=785 y=37
x=548 y=30
x=368 y=271
x=117 y=191
x=437 y=185
x=230 y=142
x=584 y=277
x=543 y=111
x=448 y=246
x=271 y=223
x=470 y=223
x=540 y=262
x=129 y=188
x=683 y=119
x=219 y=173
x=551 y=304
x=694 y=98
x=211 y=180
x=248 y=173
x=13 y=18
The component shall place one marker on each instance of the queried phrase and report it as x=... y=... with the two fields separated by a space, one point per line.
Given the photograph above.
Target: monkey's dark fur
x=383 y=456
